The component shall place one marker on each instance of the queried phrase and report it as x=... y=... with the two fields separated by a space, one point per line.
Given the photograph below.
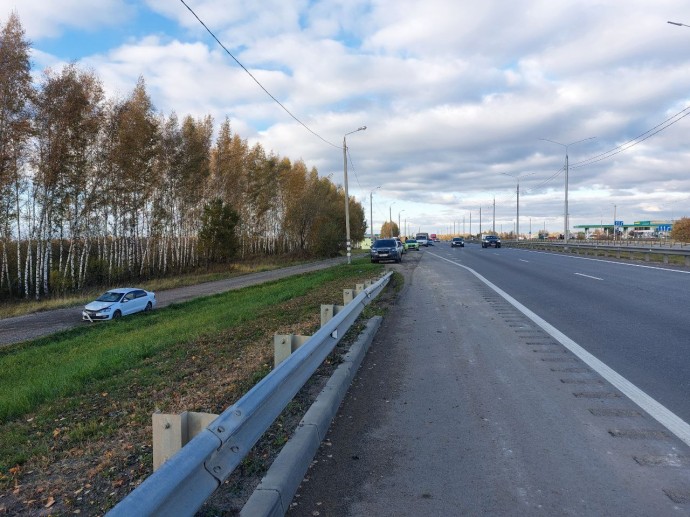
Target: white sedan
x=119 y=302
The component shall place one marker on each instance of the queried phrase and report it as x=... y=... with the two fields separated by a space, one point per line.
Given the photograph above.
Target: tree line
x=96 y=190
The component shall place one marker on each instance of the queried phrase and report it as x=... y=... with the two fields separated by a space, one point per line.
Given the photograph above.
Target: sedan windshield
x=384 y=243
x=109 y=297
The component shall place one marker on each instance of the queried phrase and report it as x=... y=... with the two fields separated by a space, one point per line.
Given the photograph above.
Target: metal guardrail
x=184 y=482
x=616 y=250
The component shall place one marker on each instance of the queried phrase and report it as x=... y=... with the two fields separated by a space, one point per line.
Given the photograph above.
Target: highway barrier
x=183 y=483
x=630 y=250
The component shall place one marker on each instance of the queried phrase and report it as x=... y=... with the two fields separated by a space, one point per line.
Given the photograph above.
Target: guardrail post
x=358 y=289
x=172 y=432
x=328 y=311
x=348 y=296
x=286 y=344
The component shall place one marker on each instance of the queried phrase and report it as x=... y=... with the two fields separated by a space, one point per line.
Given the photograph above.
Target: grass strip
x=43 y=370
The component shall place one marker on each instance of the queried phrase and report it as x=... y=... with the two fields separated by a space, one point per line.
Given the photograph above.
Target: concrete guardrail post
x=328 y=311
x=172 y=432
x=286 y=344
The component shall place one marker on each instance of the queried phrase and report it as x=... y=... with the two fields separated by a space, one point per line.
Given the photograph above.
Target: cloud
x=452 y=93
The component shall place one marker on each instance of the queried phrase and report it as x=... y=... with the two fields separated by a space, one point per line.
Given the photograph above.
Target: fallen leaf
x=50 y=502
x=56 y=432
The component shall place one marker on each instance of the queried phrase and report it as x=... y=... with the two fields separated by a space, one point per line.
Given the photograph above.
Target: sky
x=462 y=100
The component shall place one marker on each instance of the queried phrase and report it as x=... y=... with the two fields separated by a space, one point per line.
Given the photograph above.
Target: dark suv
x=489 y=241
x=458 y=242
x=385 y=249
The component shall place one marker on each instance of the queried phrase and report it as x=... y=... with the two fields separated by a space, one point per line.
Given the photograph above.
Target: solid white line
x=668 y=419
x=588 y=276
x=523 y=260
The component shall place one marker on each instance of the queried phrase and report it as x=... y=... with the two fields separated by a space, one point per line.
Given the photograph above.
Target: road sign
x=618 y=223
x=663 y=228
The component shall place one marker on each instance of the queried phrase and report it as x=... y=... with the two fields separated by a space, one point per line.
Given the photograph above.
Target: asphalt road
x=634 y=317
x=464 y=406
x=39 y=324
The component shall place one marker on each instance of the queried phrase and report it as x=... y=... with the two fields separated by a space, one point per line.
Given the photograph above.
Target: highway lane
x=632 y=317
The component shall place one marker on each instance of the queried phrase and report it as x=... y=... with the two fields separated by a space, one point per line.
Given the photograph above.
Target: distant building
x=638 y=229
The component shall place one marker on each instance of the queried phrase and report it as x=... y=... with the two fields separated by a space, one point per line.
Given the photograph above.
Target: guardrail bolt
x=220 y=429
x=235 y=448
x=238 y=412
x=217 y=469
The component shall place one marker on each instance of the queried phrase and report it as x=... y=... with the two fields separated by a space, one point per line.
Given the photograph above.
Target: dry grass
x=84 y=452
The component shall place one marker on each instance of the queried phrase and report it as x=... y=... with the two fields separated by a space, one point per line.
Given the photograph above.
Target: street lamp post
x=678 y=24
x=347 y=195
x=371 y=212
x=399 y=230
x=390 y=217
x=517 y=217
x=565 y=211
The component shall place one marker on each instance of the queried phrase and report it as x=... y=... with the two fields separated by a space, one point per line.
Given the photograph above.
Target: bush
x=681 y=230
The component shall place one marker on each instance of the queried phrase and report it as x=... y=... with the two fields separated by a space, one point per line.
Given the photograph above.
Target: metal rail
x=615 y=250
x=184 y=482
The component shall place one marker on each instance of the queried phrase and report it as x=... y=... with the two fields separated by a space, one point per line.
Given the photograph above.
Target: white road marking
x=661 y=414
x=588 y=276
x=610 y=261
x=523 y=260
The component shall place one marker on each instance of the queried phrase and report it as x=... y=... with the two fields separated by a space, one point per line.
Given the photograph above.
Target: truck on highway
x=422 y=239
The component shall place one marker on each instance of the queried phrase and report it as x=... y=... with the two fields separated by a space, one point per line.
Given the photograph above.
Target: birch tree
x=16 y=93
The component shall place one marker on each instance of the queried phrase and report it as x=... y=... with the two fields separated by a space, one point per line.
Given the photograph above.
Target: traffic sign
x=618 y=223
x=663 y=228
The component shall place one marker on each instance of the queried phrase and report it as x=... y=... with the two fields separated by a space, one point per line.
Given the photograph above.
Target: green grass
x=40 y=371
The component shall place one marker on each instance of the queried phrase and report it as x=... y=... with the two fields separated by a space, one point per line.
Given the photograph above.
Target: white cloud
x=452 y=92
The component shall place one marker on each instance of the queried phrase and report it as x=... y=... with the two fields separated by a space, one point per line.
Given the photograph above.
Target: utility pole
x=348 y=243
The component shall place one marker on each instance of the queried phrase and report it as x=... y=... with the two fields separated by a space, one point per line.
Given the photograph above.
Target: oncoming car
x=489 y=241
x=119 y=302
x=457 y=242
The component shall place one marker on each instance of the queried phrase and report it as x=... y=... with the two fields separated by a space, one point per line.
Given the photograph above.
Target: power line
x=256 y=80
x=637 y=140
x=620 y=148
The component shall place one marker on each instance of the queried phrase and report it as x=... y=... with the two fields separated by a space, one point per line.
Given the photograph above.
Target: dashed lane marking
x=588 y=276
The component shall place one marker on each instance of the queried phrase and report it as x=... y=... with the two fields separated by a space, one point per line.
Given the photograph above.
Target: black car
x=489 y=241
x=385 y=249
x=457 y=242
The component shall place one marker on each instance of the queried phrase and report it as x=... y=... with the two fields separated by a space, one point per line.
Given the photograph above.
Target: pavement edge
x=277 y=488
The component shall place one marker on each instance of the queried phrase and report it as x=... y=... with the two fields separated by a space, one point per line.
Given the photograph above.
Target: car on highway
x=412 y=244
x=385 y=249
x=119 y=302
x=457 y=242
x=489 y=241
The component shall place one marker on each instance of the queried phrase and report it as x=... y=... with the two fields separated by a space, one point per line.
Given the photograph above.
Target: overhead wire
x=256 y=80
x=634 y=141
x=673 y=119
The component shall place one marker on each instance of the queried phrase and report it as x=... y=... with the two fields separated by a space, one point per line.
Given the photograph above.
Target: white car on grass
x=119 y=302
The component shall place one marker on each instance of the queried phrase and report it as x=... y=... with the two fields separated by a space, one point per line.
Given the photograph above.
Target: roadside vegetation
x=97 y=191
x=75 y=408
